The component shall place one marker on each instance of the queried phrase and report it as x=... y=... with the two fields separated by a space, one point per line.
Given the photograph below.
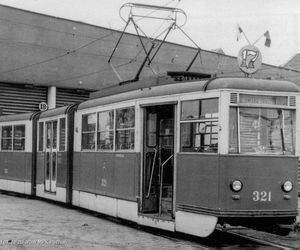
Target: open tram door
x=158 y=160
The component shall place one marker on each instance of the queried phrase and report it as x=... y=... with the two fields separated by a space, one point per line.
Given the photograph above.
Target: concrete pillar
x=51 y=97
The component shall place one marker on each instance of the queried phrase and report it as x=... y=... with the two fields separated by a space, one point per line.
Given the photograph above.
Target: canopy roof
x=44 y=50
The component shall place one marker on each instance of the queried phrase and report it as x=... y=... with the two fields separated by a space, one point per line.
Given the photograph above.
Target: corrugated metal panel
x=16 y=99
x=65 y=97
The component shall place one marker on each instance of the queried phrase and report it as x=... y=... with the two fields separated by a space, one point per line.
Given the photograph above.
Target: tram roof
x=55 y=112
x=16 y=117
x=169 y=86
x=252 y=84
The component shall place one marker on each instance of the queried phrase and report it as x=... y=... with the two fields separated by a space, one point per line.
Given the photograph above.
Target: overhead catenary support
x=161 y=43
x=131 y=17
x=118 y=41
x=193 y=60
x=150 y=55
x=137 y=76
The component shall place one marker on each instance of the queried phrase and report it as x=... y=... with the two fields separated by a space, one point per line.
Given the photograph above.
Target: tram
x=184 y=155
x=179 y=152
x=17 y=153
x=54 y=157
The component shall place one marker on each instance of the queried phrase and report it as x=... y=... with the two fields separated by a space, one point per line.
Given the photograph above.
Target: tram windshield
x=262 y=130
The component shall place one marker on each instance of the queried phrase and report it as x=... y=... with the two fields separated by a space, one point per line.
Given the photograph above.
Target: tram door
x=158 y=159
x=51 y=156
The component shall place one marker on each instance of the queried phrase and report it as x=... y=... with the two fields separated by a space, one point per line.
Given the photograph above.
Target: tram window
x=125 y=122
x=54 y=136
x=166 y=133
x=88 y=131
x=41 y=136
x=199 y=137
x=199 y=109
x=289 y=131
x=190 y=110
x=233 y=133
x=19 y=138
x=48 y=134
x=151 y=129
x=199 y=126
x=209 y=108
x=13 y=138
x=105 y=138
x=262 y=131
x=62 y=134
x=6 y=139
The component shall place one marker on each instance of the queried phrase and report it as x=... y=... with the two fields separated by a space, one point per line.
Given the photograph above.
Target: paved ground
x=34 y=224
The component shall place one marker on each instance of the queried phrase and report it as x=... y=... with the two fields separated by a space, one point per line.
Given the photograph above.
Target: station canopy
x=48 y=51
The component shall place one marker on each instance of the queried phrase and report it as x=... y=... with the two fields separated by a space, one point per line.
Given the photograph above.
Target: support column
x=51 y=100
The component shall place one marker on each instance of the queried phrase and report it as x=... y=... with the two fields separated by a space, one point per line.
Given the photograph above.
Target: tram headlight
x=236 y=185
x=287 y=186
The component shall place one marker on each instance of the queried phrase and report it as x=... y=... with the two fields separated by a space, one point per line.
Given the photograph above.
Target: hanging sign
x=43 y=106
x=249 y=59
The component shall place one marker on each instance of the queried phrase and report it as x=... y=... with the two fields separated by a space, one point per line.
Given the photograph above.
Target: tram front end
x=258 y=191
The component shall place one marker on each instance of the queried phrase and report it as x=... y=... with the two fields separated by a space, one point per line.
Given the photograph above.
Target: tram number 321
x=261 y=196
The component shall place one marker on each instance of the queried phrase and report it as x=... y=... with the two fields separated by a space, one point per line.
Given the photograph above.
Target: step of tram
x=167 y=191
x=166 y=205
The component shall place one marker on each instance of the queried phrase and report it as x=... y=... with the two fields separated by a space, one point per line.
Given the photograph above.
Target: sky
x=211 y=24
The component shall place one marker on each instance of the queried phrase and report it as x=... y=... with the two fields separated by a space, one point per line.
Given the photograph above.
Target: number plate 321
x=262 y=196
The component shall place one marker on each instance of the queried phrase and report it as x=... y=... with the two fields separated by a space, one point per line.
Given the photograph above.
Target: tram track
x=262 y=238
x=228 y=238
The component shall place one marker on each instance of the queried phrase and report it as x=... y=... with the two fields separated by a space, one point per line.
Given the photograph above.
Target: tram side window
x=125 y=124
x=6 y=138
x=199 y=126
x=19 y=138
x=88 y=131
x=13 y=138
x=62 y=134
x=105 y=136
x=151 y=129
x=262 y=131
x=41 y=136
x=54 y=135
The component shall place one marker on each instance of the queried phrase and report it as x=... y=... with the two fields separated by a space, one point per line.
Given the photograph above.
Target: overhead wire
x=155 y=38
x=54 y=58
x=123 y=64
x=207 y=69
x=87 y=74
x=68 y=52
x=72 y=51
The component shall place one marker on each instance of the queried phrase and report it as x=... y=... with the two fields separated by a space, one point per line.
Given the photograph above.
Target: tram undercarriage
x=281 y=225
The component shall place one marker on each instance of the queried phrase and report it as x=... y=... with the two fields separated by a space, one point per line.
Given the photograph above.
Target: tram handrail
x=161 y=180
x=152 y=171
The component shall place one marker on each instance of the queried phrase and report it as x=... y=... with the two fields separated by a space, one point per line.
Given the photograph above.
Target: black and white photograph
x=137 y=124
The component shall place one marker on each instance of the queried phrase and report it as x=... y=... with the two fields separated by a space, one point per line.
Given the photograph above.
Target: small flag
x=239 y=33
x=268 y=39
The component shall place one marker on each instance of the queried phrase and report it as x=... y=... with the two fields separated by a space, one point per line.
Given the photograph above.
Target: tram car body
x=16 y=158
x=185 y=155
x=54 y=154
x=169 y=153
